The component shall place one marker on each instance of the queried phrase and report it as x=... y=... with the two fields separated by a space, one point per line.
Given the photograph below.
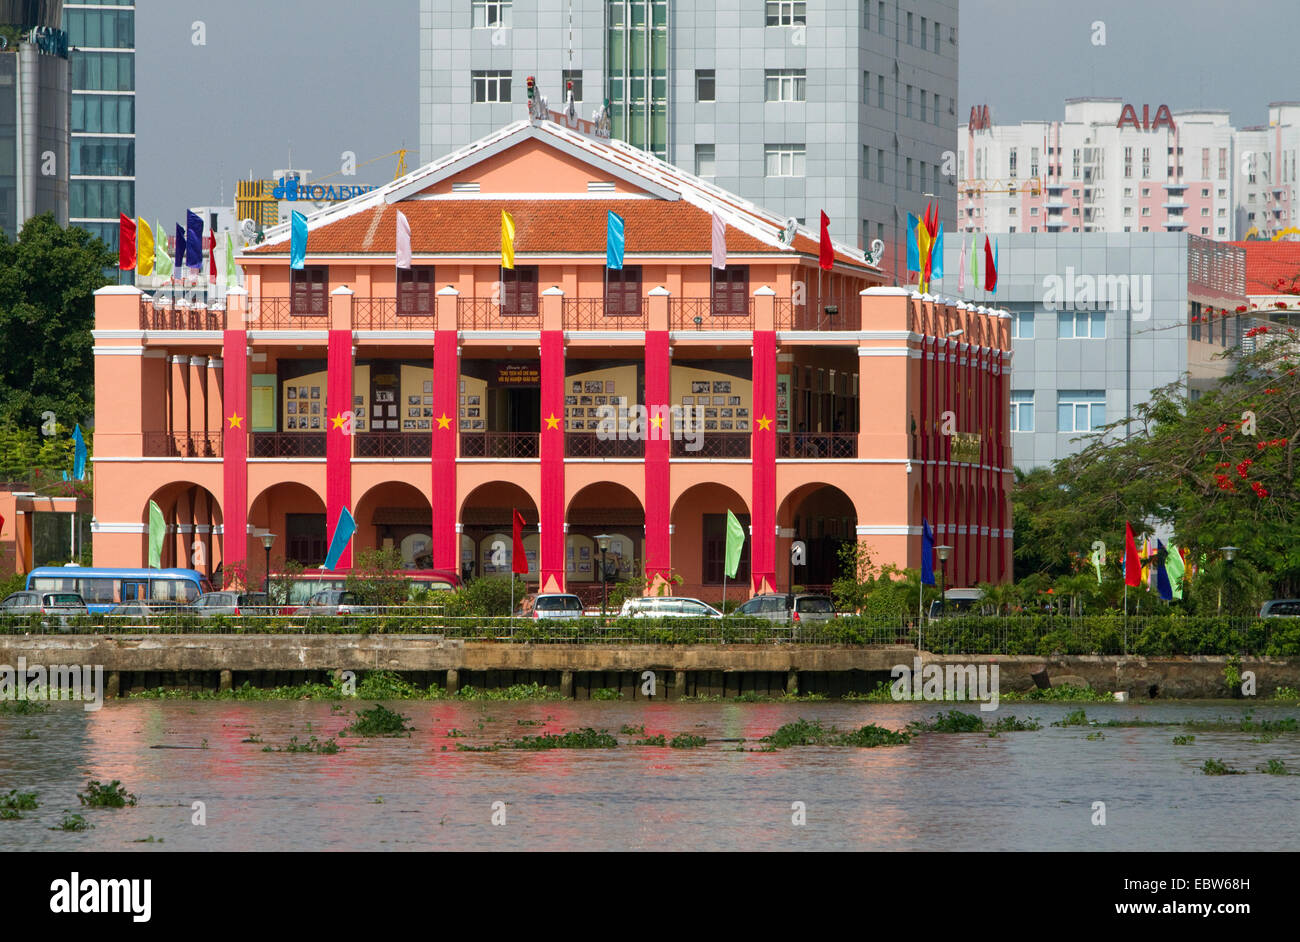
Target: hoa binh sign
x=1163 y=118
x=292 y=190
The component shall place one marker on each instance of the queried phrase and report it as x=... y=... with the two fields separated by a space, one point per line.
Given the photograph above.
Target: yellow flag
x=923 y=243
x=144 y=249
x=507 y=240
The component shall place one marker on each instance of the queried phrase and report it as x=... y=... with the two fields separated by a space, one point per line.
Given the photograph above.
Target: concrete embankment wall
x=727 y=670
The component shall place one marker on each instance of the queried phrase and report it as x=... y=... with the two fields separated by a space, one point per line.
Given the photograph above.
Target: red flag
x=932 y=222
x=125 y=243
x=1132 y=563
x=212 y=255
x=990 y=268
x=828 y=252
x=519 y=559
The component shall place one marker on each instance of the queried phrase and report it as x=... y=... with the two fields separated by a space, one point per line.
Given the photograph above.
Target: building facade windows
x=785 y=85
x=1080 y=411
x=1022 y=410
x=706 y=85
x=705 y=160
x=1081 y=325
x=492 y=14
x=1022 y=325
x=787 y=13
x=491 y=87
x=785 y=160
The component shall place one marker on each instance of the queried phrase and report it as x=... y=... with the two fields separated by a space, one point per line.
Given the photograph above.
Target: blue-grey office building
x=846 y=106
x=1101 y=319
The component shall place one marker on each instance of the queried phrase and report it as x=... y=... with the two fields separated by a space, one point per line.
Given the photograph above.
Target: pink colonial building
x=432 y=402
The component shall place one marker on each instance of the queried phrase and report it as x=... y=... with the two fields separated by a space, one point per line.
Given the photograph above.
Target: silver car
x=334 y=602
x=799 y=609
x=57 y=609
x=550 y=605
x=653 y=606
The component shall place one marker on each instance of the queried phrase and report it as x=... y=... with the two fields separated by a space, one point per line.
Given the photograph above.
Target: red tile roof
x=1268 y=261
x=550 y=226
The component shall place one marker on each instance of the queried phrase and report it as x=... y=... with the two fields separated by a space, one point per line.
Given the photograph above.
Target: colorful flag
x=1096 y=562
x=125 y=243
x=614 y=241
x=1162 y=576
x=212 y=256
x=403 y=241
x=1132 y=564
x=1176 y=570
x=180 y=250
x=157 y=533
x=995 y=266
x=990 y=267
x=719 y=242
x=735 y=543
x=232 y=273
x=927 y=553
x=298 y=242
x=342 y=535
x=913 y=247
x=961 y=270
x=144 y=248
x=923 y=248
x=79 y=454
x=827 y=259
x=518 y=557
x=193 y=242
x=974 y=265
x=507 y=240
x=936 y=254
x=162 y=263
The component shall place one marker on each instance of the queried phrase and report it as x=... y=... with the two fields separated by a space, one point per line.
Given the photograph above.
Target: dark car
x=1280 y=608
x=799 y=609
x=234 y=603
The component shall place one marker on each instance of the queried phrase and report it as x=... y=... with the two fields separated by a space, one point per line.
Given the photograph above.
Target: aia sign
x=979 y=118
x=1162 y=119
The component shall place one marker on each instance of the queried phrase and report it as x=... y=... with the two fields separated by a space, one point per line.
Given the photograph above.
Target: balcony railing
x=171 y=445
x=713 y=445
x=392 y=445
x=598 y=314
x=593 y=445
x=287 y=445
x=168 y=317
x=282 y=314
x=710 y=314
x=832 y=445
x=388 y=314
x=498 y=444
x=490 y=313
x=847 y=315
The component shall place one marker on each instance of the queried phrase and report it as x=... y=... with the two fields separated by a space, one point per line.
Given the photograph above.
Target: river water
x=1016 y=791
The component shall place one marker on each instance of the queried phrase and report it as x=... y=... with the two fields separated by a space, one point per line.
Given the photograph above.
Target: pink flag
x=403 y=241
x=961 y=271
x=719 y=242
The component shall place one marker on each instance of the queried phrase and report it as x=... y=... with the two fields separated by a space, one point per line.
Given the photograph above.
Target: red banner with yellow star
x=234 y=467
x=763 y=500
x=658 y=453
x=338 y=438
x=552 y=462
x=445 y=432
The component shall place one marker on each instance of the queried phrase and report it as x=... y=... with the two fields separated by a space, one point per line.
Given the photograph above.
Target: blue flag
x=79 y=457
x=298 y=242
x=614 y=241
x=1163 y=585
x=342 y=536
x=927 y=553
x=997 y=268
x=936 y=256
x=913 y=250
x=193 y=241
x=180 y=251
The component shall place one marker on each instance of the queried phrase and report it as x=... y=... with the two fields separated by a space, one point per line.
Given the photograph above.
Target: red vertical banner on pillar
x=234 y=466
x=763 y=499
x=338 y=438
x=658 y=454
x=552 y=560
x=446 y=402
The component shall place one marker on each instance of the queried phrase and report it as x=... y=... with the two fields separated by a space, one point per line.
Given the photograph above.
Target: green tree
x=376 y=578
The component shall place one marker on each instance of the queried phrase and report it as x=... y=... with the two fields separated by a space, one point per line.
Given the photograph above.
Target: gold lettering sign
x=966 y=447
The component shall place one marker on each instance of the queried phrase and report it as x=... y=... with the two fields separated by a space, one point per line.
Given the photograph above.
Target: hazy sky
x=328 y=76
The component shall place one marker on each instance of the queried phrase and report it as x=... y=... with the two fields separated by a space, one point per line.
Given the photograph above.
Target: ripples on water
x=1018 y=791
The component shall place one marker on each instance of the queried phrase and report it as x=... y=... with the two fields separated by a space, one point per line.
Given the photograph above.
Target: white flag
x=403 y=241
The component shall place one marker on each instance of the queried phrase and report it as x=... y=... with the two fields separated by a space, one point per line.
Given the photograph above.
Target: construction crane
x=401 y=165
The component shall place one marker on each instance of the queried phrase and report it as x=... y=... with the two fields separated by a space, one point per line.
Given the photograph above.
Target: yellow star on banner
x=444 y=421
x=553 y=422
x=235 y=420
x=657 y=421
x=339 y=420
x=764 y=423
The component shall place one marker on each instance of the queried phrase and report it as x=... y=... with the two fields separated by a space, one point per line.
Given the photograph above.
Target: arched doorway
x=610 y=510
x=699 y=542
x=296 y=515
x=396 y=515
x=192 y=514
x=825 y=519
x=487 y=531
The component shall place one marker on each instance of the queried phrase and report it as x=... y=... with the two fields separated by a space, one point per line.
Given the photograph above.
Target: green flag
x=1096 y=562
x=1175 y=568
x=157 y=532
x=162 y=261
x=974 y=266
x=735 y=542
x=232 y=275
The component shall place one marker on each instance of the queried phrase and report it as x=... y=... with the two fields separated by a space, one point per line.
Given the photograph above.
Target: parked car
x=132 y=611
x=667 y=607
x=957 y=601
x=234 y=603
x=1280 y=608
x=799 y=609
x=334 y=602
x=57 y=608
x=549 y=605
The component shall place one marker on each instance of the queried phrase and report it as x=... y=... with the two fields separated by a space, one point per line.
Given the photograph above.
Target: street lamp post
x=602 y=540
x=1229 y=554
x=944 y=552
x=267 y=539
